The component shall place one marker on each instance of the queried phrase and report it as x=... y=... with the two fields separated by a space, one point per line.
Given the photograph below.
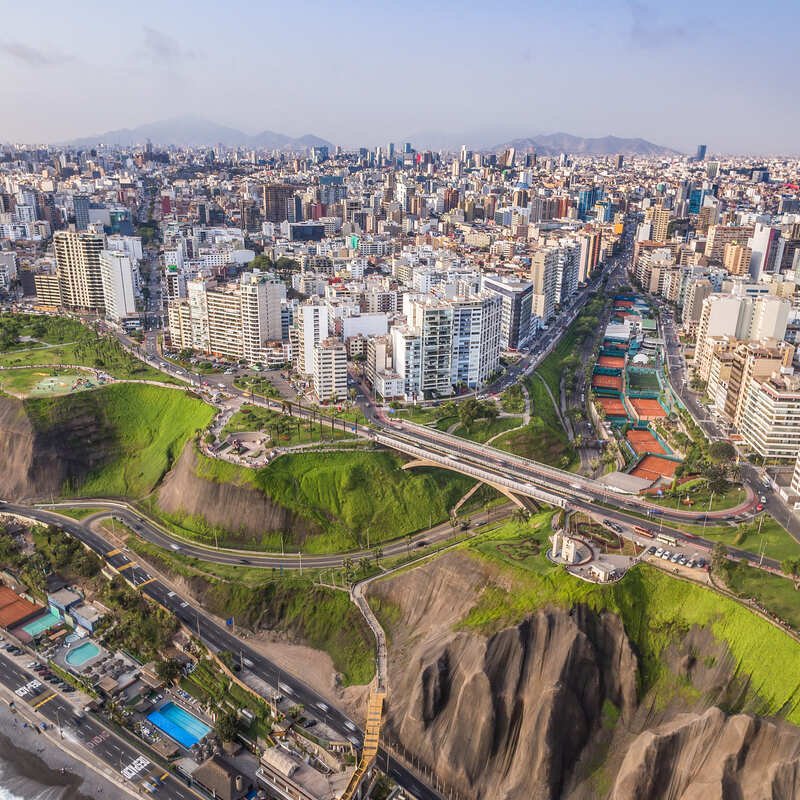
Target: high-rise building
x=517 y=304
x=275 y=201
x=311 y=325
x=722 y=315
x=721 y=235
x=763 y=244
x=771 y=417
x=80 y=203
x=544 y=276
x=330 y=370
x=770 y=317
x=120 y=284
x=661 y=220
x=78 y=270
x=235 y=320
x=701 y=152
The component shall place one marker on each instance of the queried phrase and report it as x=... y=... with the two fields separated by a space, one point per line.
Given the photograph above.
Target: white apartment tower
x=120 y=283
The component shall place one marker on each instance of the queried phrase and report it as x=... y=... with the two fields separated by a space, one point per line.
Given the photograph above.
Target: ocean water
x=16 y=786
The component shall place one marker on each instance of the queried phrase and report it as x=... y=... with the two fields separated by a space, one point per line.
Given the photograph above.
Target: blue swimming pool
x=78 y=656
x=179 y=725
x=41 y=624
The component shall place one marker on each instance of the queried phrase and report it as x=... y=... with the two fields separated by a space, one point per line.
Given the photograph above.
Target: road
x=122 y=757
x=218 y=638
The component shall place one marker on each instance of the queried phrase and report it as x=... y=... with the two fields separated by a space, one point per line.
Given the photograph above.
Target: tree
x=227 y=725
x=719 y=558
x=168 y=670
x=717 y=479
x=721 y=452
x=791 y=566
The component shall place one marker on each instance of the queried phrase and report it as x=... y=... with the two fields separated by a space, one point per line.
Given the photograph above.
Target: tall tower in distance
x=701 y=153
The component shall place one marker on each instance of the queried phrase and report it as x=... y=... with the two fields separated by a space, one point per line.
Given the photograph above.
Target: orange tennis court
x=612 y=406
x=607 y=382
x=647 y=408
x=652 y=468
x=644 y=442
x=614 y=362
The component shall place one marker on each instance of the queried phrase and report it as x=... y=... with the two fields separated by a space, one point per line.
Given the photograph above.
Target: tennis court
x=612 y=406
x=615 y=362
x=647 y=409
x=607 y=382
x=643 y=441
x=654 y=467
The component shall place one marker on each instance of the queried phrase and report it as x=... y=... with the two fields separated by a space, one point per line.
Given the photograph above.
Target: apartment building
x=516 y=297
x=330 y=370
x=78 y=269
x=235 y=320
x=752 y=361
x=311 y=327
x=722 y=315
x=771 y=418
x=120 y=280
x=721 y=235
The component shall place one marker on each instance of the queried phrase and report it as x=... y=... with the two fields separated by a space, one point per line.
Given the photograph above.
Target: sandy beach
x=31 y=764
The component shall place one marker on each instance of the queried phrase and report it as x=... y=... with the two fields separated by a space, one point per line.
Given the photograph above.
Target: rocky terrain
x=552 y=706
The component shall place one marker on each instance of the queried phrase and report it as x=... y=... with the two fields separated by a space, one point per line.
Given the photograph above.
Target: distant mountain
x=195 y=131
x=554 y=144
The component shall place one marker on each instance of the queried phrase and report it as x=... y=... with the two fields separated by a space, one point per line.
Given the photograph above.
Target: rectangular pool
x=185 y=728
x=41 y=624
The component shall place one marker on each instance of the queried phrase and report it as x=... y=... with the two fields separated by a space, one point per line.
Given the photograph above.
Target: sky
x=363 y=73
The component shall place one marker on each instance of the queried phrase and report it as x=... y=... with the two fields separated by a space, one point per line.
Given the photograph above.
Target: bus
x=643 y=531
x=665 y=538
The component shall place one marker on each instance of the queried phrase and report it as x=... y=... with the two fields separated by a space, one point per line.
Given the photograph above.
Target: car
x=760 y=507
x=763 y=498
x=651 y=550
x=659 y=552
x=421 y=543
x=309 y=723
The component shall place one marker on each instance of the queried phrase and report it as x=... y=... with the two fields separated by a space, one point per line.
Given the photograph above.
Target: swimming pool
x=78 y=656
x=179 y=725
x=41 y=624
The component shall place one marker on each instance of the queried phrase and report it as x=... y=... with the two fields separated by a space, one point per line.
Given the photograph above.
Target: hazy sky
x=677 y=72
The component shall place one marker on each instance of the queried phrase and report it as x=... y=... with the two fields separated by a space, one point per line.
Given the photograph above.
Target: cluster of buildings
x=426 y=266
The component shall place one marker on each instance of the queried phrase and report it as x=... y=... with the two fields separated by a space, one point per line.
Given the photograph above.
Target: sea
x=14 y=785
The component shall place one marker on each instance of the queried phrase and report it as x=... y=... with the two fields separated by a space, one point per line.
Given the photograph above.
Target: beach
x=31 y=764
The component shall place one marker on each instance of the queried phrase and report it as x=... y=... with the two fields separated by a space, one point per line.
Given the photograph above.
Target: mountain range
x=554 y=144
x=192 y=130
x=195 y=131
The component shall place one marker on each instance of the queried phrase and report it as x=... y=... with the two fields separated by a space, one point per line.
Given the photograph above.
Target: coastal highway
x=218 y=638
x=52 y=706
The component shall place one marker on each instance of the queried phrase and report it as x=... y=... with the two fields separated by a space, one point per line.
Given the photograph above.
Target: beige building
x=736 y=259
x=721 y=235
x=78 y=269
x=330 y=370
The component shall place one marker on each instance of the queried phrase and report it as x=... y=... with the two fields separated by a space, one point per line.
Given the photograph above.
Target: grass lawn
x=777 y=542
x=654 y=606
x=697 y=492
x=98 y=353
x=136 y=433
x=484 y=429
x=283 y=430
x=771 y=591
x=422 y=415
x=543 y=439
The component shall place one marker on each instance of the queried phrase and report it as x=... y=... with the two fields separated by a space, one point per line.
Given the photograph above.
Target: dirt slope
x=548 y=708
x=225 y=505
x=37 y=463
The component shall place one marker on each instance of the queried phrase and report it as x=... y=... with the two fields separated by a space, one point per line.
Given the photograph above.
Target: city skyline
x=360 y=75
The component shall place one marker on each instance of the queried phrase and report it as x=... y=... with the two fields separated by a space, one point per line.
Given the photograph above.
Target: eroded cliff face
x=38 y=462
x=238 y=509
x=548 y=708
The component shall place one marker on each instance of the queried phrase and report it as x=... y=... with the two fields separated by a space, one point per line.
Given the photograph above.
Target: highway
x=218 y=638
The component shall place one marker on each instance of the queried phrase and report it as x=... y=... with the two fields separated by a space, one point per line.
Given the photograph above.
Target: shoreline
x=32 y=756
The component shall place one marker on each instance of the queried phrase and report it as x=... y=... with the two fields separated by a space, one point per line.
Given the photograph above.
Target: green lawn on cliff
x=654 y=606
x=136 y=433
x=348 y=494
